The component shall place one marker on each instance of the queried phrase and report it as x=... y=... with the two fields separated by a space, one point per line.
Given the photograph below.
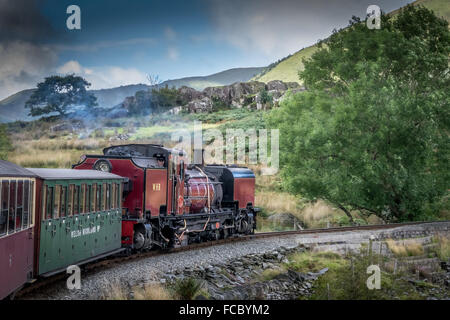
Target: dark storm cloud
x=22 y=20
x=25 y=59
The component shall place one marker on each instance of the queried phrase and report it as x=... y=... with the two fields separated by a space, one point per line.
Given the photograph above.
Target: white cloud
x=104 y=77
x=169 y=33
x=23 y=65
x=173 y=53
x=70 y=67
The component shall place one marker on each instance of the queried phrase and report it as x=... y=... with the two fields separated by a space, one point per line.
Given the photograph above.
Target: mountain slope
x=223 y=78
x=13 y=107
x=287 y=69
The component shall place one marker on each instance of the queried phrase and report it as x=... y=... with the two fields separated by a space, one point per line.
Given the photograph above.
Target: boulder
x=200 y=105
x=276 y=85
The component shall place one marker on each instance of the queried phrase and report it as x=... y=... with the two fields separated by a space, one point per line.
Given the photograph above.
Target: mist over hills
x=13 y=107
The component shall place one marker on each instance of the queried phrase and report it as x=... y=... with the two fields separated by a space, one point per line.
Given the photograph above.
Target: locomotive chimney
x=199 y=157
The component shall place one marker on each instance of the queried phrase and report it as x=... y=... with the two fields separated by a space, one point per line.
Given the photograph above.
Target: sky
x=122 y=42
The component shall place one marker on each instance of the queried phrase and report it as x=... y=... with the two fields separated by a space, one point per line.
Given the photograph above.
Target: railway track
x=116 y=260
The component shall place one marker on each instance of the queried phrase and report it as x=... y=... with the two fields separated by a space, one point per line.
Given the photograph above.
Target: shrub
x=187 y=288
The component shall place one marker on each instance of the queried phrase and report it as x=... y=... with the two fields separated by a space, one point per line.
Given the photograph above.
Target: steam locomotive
x=167 y=203
x=131 y=198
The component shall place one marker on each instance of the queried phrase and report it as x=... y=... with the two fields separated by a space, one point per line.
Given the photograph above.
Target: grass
x=187 y=288
x=442 y=248
x=346 y=278
x=405 y=248
x=276 y=202
x=184 y=289
x=152 y=292
x=115 y=291
x=315 y=261
x=288 y=69
x=440 y=7
x=269 y=274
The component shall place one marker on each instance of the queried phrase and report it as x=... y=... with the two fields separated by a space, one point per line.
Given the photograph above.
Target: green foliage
x=165 y=98
x=266 y=97
x=187 y=288
x=58 y=94
x=218 y=105
x=315 y=261
x=371 y=132
x=141 y=103
x=5 y=143
x=347 y=280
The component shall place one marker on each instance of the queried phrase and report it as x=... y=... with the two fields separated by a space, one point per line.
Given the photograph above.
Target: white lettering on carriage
x=85 y=231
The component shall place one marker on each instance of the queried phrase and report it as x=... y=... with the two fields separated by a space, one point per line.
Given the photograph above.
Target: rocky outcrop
x=240 y=94
x=252 y=94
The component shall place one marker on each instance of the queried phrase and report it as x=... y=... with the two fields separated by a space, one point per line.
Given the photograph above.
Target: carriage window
x=104 y=192
x=63 y=201
x=12 y=207
x=94 y=197
x=88 y=199
x=4 y=197
x=19 y=209
x=76 y=200
x=118 y=196
x=26 y=204
x=57 y=202
x=31 y=206
x=108 y=196
x=70 y=200
x=97 y=198
x=83 y=199
x=113 y=196
x=49 y=202
x=90 y=207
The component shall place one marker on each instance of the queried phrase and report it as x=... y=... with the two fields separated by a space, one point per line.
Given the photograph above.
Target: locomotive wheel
x=243 y=226
x=138 y=240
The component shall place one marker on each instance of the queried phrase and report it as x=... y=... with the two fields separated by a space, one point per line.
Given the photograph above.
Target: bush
x=187 y=288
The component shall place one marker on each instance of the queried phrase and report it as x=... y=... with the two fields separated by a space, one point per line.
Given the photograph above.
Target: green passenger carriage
x=80 y=217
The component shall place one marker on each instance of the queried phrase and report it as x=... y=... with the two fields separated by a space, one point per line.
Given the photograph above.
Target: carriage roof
x=8 y=169
x=72 y=174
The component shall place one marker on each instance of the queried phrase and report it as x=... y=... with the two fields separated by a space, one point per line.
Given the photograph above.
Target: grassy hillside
x=218 y=79
x=287 y=69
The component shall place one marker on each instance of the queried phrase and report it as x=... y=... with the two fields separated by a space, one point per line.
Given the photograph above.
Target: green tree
x=165 y=98
x=5 y=143
x=265 y=96
x=58 y=94
x=371 y=131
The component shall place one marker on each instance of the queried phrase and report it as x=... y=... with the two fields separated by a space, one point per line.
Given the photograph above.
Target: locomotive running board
x=103 y=255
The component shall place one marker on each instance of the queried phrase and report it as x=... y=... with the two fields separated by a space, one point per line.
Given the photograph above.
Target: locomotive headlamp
x=103 y=165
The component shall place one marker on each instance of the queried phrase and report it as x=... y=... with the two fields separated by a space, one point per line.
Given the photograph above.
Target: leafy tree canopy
x=371 y=131
x=58 y=94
